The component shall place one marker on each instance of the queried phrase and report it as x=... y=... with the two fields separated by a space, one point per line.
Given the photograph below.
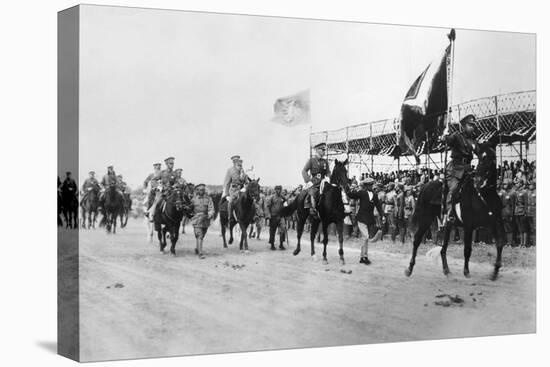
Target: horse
x=225 y=222
x=244 y=211
x=331 y=210
x=90 y=207
x=168 y=216
x=479 y=204
x=69 y=204
x=112 y=208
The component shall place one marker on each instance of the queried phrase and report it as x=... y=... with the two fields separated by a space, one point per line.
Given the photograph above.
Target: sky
x=201 y=87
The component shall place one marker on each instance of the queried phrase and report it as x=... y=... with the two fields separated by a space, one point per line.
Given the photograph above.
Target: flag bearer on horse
x=90 y=184
x=463 y=147
x=166 y=181
x=150 y=185
x=314 y=172
x=234 y=181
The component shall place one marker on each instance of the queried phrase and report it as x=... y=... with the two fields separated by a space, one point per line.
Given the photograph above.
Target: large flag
x=425 y=102
x=292 y=110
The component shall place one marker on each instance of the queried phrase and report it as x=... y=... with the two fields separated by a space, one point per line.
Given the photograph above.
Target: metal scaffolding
x=514 y=113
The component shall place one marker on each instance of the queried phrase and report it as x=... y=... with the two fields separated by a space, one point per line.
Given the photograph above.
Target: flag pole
x=450 y=70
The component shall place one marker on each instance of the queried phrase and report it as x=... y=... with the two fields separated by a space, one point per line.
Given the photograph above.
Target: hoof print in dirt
x=449 y=301
x=344 y=271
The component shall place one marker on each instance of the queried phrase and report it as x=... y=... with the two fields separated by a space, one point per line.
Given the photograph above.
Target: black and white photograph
x=231 y=183
x=270 y=183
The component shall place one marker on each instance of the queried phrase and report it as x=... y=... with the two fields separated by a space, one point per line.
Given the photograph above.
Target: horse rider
x=150 y=185
x=180 y=181
x=235 y=179
x=463 y=146
x=121 y=184
x=69 y=185
x=313 y=173
x=89 y=184
x=167 y=180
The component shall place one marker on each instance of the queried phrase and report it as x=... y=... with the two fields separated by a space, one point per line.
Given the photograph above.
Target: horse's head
x=486 y=171
x=340 y=174
x=176 y=198
x=253 y=189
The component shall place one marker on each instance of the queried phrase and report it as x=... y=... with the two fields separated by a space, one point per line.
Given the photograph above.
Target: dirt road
x=136 y=302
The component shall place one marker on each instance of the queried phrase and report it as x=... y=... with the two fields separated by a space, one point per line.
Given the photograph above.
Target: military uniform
x=315 y=170
x=400 y=226
x=69 y=185
x=109 y=179
x=508 y=203
x=390 y=211
x=378 y=216
x=202 y=208
x=520 y=215
x=234 y=180
x=274 y=205
x=408 y=213
x=89 y=184
x=167 y=179
x=532 y=215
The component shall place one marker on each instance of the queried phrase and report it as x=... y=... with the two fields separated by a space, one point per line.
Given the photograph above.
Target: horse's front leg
x=299 y=232
x=231 y=225
x=499 y=239
x=446 y=236
x=313 y=234
x=340 y=231
x=325 y=242
x=422 y=228
x=467 y=251
x=223 y=234
x=173 y=239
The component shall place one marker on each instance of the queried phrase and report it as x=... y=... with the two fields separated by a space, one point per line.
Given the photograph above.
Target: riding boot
x=229 y=210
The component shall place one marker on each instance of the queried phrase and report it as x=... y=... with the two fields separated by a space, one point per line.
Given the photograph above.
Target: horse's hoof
x=494 y=276
x=342 y=262
x=408 y=272
x=296 y=252
x=173 y=253
x=325 y=262
x=225 y=246
x=447 y=273
x=230 y=241
x=466 y=274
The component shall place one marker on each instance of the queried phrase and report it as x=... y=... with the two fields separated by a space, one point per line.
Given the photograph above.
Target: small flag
x=292 y=110
x=425 y=103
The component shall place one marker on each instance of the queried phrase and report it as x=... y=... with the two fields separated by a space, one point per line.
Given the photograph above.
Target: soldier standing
x=274 y=205
x=315 y=170
x=389 y=210
x=400 y=226
x=508 y=199
x=235 y=179
x=463 y=146
x=202 y=208
x=520 y=214
x=532 y=213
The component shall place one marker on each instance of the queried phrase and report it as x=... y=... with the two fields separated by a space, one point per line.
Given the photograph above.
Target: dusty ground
x=136 y=302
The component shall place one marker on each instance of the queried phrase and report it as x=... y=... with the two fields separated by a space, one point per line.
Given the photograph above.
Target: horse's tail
x=289 y=209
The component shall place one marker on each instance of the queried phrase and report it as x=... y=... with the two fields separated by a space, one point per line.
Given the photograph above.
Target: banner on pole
x=425 y=100
x=292 y=110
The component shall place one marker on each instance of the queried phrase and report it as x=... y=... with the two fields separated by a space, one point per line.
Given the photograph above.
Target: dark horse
x=90 y=206
x=59 y=208
x=113 y=206
x=244 y=211
x=480 y=207
x=69 y=203
x=167 y=217
x=331 y=210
